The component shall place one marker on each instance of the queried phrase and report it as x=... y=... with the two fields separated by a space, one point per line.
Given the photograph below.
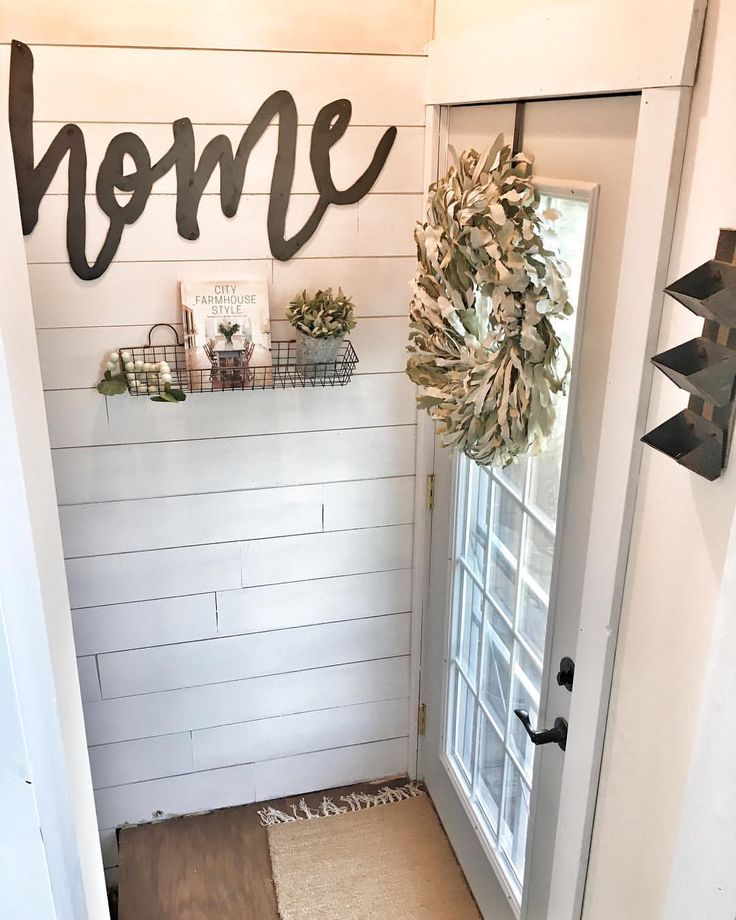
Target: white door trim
x=658 y=158
x=655 y=182
x=589 y=48
x=435 y=150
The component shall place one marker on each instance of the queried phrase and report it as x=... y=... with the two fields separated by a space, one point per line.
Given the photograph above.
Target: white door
x=508 y=546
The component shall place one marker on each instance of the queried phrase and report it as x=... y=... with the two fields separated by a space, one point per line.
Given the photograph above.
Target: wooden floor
x=204 y=867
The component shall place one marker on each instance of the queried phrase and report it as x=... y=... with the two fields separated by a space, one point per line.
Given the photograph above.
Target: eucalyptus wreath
x=482 y=342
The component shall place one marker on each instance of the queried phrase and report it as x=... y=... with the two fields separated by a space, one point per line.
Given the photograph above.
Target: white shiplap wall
x=239 y=566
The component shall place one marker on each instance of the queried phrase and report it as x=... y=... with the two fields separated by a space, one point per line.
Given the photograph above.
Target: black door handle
x=556 y=735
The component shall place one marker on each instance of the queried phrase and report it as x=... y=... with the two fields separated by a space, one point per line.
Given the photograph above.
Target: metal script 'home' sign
x=191 y=176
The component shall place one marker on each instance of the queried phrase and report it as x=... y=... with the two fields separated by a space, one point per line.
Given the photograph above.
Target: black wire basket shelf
x=229 y=371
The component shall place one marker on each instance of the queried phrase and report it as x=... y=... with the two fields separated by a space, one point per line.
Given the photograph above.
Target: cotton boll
x=147 y=367
x=131 y=378
x=139 y=365
x=114 y=357
x=129 y=367
x=166 y=378
x=164 y=367
x=126 y=356
x=110 y=366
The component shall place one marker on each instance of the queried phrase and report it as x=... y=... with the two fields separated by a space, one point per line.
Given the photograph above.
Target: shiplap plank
x=349 y=552
x=132 y=85
x=188 y=520
x=137 y=761
x=340 y=767
x=123 y=626
x=300 y=733
x=372 y=503
x=378 y=225
x=173 y=667
x=378 y=286
x=95 y=581
x=123 y=577
x=154 y=235
x=79 y=418
x=401 y=174
x=91 y=474
x=193 y=708
x=89 y=683
x=384 y=27
x=323 y=600
x=75 y=358
x=127 y=762
x=379 y=343
x=144 y=293
x=175 y=795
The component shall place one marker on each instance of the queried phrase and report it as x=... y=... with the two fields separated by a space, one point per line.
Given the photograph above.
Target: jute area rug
x=392 y=862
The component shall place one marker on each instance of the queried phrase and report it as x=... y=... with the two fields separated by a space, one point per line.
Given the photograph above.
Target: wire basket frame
x=283 y=373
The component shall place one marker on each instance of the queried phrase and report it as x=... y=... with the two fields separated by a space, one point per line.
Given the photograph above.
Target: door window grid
x=504 y=555
x=504 y=801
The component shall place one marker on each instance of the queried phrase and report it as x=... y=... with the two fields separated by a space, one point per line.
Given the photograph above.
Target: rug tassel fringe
x=356 y=801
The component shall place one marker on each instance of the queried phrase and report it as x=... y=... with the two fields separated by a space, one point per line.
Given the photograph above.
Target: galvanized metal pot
x=310 y=350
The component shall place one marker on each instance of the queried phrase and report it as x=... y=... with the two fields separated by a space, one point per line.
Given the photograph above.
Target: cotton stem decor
x=487 y=292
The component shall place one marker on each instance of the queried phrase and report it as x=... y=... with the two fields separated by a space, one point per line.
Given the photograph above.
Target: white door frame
x=658 y=157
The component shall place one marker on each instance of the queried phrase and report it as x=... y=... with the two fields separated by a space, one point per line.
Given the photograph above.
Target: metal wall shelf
x=282 y=373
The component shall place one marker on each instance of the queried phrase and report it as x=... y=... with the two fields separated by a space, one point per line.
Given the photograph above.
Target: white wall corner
x=34 y=594
x=702 y=883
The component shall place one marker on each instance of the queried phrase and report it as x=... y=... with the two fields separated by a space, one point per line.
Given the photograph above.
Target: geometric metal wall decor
x=699 y=437
x=192 y=176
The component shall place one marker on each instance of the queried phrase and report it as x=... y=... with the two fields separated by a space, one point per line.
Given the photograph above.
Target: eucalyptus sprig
x=323 y=316
x=487 y=294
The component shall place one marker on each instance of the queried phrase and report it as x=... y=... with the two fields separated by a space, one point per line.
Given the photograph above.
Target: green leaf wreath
x=482 y=342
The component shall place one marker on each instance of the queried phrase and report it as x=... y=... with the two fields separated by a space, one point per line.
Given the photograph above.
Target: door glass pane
x=526 y=684
x=498 y=642
x=515 y=819
x=545 y=477
x=539 y=546
x=490 y=770
x=477 y=521
x=502 y=580
x=532 y=619
x=506 y=518
x=503 y=576
x=470 y=628
x=464 y=719
x=514 y=475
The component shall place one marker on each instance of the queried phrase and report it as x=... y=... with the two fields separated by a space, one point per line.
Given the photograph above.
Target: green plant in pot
x=321 y=323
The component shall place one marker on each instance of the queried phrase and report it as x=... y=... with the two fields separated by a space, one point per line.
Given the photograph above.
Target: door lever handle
x=556 y=735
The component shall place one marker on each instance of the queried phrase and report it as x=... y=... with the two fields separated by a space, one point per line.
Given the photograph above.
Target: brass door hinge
x=422 y=719
x=430 y=491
